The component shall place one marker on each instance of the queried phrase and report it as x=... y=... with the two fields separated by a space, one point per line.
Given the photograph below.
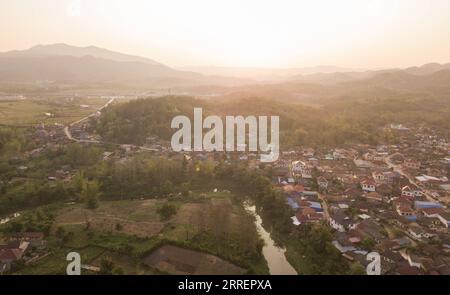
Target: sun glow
x=263 y=33
x=247 y=33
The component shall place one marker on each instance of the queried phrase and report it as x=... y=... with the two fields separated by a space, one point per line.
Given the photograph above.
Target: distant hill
x=62 y=63
x=348 y=87
x=61 y=49
x=342 y=76
x=82 y=69
x=265 y=74
x=428 y=69
x=403 y=81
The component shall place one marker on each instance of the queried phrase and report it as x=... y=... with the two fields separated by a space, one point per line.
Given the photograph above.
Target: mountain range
x=63 y=63
x=267 y=74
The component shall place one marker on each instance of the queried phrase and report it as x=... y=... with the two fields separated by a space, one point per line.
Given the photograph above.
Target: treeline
x=12 y=141
x=135 y=121
x=144 y=177
x=32 y=188
x=337 y=123
x=31 y=194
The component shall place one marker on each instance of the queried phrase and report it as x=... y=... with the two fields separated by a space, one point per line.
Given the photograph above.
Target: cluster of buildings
x=50 y=133
x=392 y=199
x=23 y=247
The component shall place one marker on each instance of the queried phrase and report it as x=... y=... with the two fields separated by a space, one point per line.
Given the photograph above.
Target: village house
x=411 y=164
x=339 y=154
x=314 y=162
x=418 y=233
x=8 y=257
x=374 y=196
x=431 y=212
x=431 y=224
x=428 y=180
x=379 y=157
x=389 y=261
x=308 y=152
x=12 y=252
x=413 y=260
x=306 y=173
x=306 y=215
x=368 y=228
x=36 y=239
x=297 y=167
x=368 y=185
x=300 y=168
x=352 y=192
x=391 y=177
x=322 y=183
x=399 y=243
x=341 y=222
x=404 y=208
x=307 y=211
x=342 y=243
x=362 y=164
x=425 y=204
x=378 y=176
x=411 y=192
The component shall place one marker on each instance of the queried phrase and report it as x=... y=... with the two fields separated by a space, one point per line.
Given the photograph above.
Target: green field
x=127 y=231
x=31 y=112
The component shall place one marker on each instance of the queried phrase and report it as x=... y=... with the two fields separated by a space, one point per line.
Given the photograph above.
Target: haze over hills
x=63 y=63
x=266 y=74
x=318 y=74
x=346 y=76
x=384 y=85
x=429 y=68
x=61 y=49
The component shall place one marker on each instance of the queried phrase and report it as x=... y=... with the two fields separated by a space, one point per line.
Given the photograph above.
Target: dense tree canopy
x=339 y=122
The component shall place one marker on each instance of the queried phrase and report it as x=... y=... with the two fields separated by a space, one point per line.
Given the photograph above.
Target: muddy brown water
x=275 y=256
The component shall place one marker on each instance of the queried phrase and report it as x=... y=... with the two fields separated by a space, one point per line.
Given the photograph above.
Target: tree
x=166 y=188
x=90 y=193
x=318 y=255
x=166 y=211
x=78 y=181
x=368 y=244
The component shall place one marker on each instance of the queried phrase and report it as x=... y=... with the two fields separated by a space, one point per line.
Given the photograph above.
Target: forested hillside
x=338 y=122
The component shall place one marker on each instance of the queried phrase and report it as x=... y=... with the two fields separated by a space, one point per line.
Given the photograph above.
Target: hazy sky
x=263 y=33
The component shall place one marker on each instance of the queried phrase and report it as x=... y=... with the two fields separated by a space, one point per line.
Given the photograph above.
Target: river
x=276 y=260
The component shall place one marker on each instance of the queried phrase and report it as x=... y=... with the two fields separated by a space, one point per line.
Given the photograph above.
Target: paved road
x=70 y=137
x=67 y=128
